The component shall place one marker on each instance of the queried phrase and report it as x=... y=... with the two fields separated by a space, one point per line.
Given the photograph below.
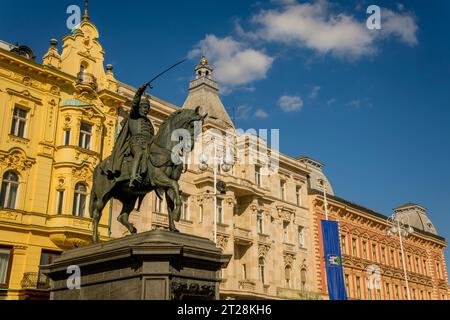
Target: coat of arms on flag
x=334 y=260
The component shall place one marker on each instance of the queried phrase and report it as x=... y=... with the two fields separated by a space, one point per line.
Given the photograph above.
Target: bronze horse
x=162 y=175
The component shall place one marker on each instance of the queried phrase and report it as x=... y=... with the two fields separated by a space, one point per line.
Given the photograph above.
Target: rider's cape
x=121 y=149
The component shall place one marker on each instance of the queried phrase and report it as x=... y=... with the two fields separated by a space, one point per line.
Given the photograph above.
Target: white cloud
x=315 y=26
x=331 y=101
x=314 y=92
x=399 y=25
x=260 y=113
x=235 y=64
x=355 y=104
x=290 y=103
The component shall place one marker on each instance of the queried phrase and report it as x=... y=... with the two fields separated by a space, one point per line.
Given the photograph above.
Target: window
x=244 y=271
x=369 y=291
x=409 y=263
x=260 y=222
x=422 y=296
x=397 y=295
x=301 y=237
x=425 y=267
x=343 y=245
x=392 y=256
x=303 y=276
x=374 y=252
x=364 y=249
x=219 y=211
x=5 y=255
x=298 y=195
x=438 y=269
x=358 y=287
x=287 y=276
x=354 y=249
x=19 y=122
x=400 y=258
x=258 y=176
x=85 y=136
x=158 y=205
x=414 y=294
x=261 y=269
x=347 y=285
x=417 y=265
x=10 y=187
x=79 y=200
x=47 y=257
x=67 y=137
x=201 y=214
x=60 y=202
x=383 y=255
x=185 y=208
x=285 y=231
x=429 y=295
x=388 y=291
x=282 y=190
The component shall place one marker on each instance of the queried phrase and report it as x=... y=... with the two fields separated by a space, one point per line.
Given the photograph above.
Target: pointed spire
x=86 y=15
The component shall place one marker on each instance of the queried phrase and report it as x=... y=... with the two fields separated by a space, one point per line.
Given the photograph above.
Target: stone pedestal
x=155 y=265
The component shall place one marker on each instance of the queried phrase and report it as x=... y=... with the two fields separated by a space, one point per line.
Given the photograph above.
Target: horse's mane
x=169 y=120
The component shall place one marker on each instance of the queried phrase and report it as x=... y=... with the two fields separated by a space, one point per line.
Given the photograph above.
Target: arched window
x=287 y=276
x=79 y=200
x=10 y=186
x=261 y=269
x=303 y=279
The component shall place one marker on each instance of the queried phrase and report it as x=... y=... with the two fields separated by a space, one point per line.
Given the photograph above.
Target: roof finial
x=203 y=60
x=86 y=16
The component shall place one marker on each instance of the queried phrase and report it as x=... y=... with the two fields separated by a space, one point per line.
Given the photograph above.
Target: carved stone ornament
x=182 y=288
x=289 y=259
x=263 y=249
x=16 y=160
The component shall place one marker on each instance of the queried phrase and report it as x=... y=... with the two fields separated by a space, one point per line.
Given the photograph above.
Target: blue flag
x=333 y=260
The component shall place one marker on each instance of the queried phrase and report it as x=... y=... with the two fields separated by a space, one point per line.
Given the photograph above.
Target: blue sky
x=373 y=106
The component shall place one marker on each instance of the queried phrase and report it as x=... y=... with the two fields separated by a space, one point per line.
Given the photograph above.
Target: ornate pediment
x=285 y=213
x=16 y=159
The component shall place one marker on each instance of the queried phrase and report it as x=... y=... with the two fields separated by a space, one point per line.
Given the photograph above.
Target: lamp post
x=226 y=165
x=403 y=229
x=325 y=200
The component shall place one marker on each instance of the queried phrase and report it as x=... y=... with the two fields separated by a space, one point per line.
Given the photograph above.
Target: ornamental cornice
x=24 y=94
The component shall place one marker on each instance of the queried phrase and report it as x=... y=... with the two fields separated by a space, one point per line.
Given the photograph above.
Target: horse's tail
x=94 y=197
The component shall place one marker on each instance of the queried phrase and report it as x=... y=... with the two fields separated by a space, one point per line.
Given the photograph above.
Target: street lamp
x=226 y=165
x=325 y=200
x=403 y=229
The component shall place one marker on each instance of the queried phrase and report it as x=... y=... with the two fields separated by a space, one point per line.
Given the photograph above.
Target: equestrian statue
x=142 y=162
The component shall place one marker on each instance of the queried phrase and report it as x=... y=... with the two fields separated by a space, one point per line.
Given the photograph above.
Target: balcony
x=247 y=285
x=35 y=280
x=160 y=221
x=291 y=294
x=87 y=79
x=242 y=236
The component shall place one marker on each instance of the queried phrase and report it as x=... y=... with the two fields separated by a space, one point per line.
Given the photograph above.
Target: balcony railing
x=247 y=285
x=87 y=79
x=286 y=293
x=35 y=280
x=243 y=236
